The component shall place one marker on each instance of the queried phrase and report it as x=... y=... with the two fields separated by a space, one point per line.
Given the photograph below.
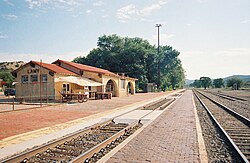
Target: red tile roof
x=54 y=68
x=86 y=67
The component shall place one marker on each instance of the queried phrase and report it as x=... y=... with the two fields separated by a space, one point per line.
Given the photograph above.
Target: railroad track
x=234 y=126
x=87 y=145
x=231 y=97
x=160 y=104
x=228 y=97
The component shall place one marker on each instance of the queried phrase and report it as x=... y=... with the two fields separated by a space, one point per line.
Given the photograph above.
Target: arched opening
x=111 y=87
x=130 y=88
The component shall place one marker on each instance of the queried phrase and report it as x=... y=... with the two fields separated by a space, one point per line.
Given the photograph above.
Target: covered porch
x=75 y=88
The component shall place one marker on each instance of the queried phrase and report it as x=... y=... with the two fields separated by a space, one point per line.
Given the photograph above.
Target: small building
x=36 y=80
x=150 y=87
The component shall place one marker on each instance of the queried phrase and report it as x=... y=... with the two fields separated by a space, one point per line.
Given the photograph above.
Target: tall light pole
x=158 y=62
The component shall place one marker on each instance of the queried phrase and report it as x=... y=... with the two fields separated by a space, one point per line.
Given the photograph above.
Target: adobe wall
x=31 y=90
x=120 y=89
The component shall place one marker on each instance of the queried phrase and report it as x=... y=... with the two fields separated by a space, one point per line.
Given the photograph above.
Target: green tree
x=218 y=83
x=7 y=77
x=171 y=68
x=235 y=83
x=205 y=82
x=137 y=58
x=196 y=83
x=246 y=84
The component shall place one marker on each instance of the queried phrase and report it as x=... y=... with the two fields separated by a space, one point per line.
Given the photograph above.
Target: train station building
x=38 y=80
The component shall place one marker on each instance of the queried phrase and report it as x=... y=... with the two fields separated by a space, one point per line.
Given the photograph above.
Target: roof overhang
x=81 y=81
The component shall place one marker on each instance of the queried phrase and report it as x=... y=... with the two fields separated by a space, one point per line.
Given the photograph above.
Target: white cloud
x=201 y=1
x=188 y=55
x=164 y=38
x=98 y=3
x=2 y=36
x=9 y=16
x=163 y=2
x=245 y=21
x=146 y=20
x=9 y=3
x=234 y=52
x=54 y=3
x=48 y=58
x=130 y=12
x=149 y=9
x=36 y=3
x=105 y=16
x=125 y=13
x=77 y=14
x=88 y=11
x=188 y=24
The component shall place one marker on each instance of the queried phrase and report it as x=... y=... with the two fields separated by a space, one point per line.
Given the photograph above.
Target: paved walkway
x=82 y=115
x=22 y=121
x=172 y=137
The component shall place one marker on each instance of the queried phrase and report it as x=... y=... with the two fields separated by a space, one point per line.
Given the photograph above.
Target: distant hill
x=188 y=81
x=10 y=66
x=244 y=78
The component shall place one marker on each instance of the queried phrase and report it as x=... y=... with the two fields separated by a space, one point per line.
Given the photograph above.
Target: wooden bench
x=81 y=97
x=103 y=95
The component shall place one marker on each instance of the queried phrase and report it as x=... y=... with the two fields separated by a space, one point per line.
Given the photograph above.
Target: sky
x=212 y=36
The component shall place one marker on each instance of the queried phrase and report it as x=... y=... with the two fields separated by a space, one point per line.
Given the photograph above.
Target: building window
x=24 y=79
x=65 y=88
x=34 y=78
x=44 y=78
x=122 y=83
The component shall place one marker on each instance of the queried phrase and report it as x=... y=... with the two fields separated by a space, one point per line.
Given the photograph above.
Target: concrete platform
x=132 y=116
x=152 y=116
x=172 y=137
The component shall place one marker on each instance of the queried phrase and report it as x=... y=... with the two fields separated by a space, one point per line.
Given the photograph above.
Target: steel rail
x=242 y=156
x=233 y=97
x=167 y=104
x=228 y=97
x=33 y=151
x=246 y=120
x=88 y=154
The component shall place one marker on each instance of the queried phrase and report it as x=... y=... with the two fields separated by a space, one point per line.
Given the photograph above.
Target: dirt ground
x=18 y=122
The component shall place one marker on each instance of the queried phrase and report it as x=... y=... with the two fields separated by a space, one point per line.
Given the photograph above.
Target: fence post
x=13 y=104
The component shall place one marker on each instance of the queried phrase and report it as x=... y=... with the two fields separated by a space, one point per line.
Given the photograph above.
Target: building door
x=130 y=88
x=110 y=87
